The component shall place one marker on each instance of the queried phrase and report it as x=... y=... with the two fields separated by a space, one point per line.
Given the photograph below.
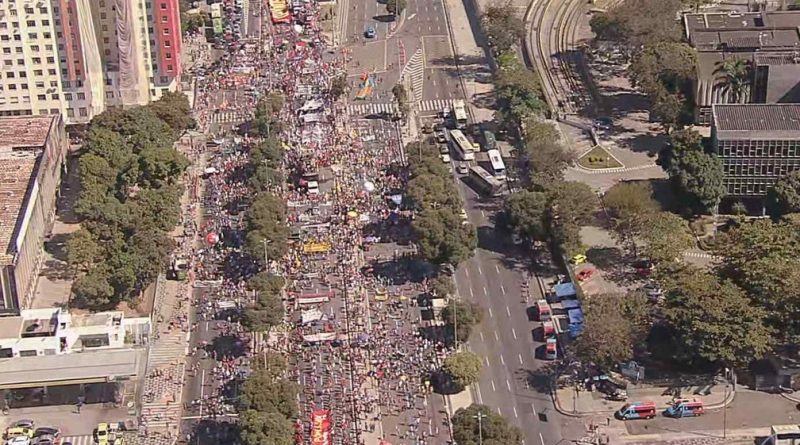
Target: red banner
x=321 y=427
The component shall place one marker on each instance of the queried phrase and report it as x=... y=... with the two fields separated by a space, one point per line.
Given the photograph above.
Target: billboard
x=218 y=27
x=321 y=427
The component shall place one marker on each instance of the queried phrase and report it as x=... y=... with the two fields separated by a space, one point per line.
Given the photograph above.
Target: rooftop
x=24 y=131
x=21 y=372
x=10 y=327
x=732 y=31
x=22 y=140
x=757 y=121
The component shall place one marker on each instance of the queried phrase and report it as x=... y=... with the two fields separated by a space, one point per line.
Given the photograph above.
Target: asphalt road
x=513 y=381
x=416 y=42
x=253 y=19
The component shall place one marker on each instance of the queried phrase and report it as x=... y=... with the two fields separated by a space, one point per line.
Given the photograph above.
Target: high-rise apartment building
x=77 y=57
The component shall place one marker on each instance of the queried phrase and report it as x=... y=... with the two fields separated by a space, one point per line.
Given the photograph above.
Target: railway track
x=553 y=51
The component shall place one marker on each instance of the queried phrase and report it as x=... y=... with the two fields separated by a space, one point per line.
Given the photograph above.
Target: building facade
x=32 y=157
x=77 y=57
x=757 y=144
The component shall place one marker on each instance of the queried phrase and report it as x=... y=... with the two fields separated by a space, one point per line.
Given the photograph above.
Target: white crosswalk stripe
x=79 y=440
x=371 y=108
x=229 y=117
x=415 y=68
x=436 y=105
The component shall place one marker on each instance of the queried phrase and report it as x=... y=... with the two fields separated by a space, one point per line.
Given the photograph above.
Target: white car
x=446 y=158
x=464 y=217
x=463 y=168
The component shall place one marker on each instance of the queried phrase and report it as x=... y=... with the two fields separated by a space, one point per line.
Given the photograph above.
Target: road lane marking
x=496 y=337
x=478 y=393
x=541 y=438
x=483 y=213
x=503 y=289
x=487 y=361
x=412 y=15
x=514 y=333
x=480 y=271
x=508 y=385
x=497 y=268
x=515 y=411
x=502 y=360
x=471 y=294
x=508 y=311
x=491 y=315
x=493 y=387
x=534 y=409
x=520 y=358
x=484 y=291
x=498 y=411
x=466 y=272
x=481 y=333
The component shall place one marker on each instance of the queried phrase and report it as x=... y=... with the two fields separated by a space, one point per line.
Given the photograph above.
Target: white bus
x=484 y=182
x=461 y=145
x=783 y=435
x=460 y=114
x=498 y=167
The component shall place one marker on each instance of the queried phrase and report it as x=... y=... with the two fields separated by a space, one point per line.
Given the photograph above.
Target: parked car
x=463 y=168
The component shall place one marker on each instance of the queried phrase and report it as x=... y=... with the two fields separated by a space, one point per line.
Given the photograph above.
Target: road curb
x=562 y=411
x=790 y=397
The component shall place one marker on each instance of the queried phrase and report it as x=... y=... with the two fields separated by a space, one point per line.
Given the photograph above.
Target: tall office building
x=77 y=57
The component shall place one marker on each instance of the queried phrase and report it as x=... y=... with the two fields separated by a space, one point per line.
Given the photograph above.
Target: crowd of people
x=354 y=339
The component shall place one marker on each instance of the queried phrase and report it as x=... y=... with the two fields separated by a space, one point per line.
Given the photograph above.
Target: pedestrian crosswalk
x=86 y=439
x=229 y=117
x=415 y=69
x=372 y=108
x=425 y=106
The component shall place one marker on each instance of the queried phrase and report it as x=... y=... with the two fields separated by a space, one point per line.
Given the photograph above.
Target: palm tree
x=734 y=78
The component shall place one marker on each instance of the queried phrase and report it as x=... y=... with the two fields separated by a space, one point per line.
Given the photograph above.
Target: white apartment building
x=78 y=57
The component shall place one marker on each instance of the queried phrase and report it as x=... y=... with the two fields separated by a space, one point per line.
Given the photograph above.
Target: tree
x=441 y=237
x=666 y=237
x=713 y=321
x=637 y=23
x=268 y=310
x=527 y=214
x=607 y=338
x=784 y=197
x=538 y=132
x=464 y=315
x=139 y=126
x=629 y=205
x=338 y=86
x=173 y=108
x=760 y=257
x=83 y=250
x=265 y=428
x=733 y=76
x=680 y=142
x=518 y=91
x=264 y=392
x=401 y=97
x=268 y=152
x=395 y=7
x=546 y=161
x=571 y=201
x=93 y=290
x=493 y=429
x=700 y=176
x=463 y=368
x=265 y=120
x=697 y=4
x=442 y=285
x=502 y=27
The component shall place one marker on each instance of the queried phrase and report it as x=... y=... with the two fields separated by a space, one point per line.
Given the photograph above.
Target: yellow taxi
x=578 y=259
x=102 y=434
x=19 y=431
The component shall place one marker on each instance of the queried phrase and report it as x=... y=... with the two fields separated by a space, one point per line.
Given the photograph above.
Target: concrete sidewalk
x=574 y=403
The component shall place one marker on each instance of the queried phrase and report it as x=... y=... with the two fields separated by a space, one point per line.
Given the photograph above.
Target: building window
x=67 y=96
x=45 y=22
x=167 y=44
x=4 y=38
x=70 y=112
x=31 y=352
x=54 y=83
x=168 y=56
x=20 y=61
x=54 y=111
x=31 y=23
x=41 y=97
x=163 y=19
x=51 y=60
x=54 y=96
x=82 y=111
x=109 y=94
x=6 y=50
x=8 y=62
x=51 y=72
x=38 y=72
x=24 y=86
x=33 y=35
x=169 y=68
x=67 y=84
x=48 y=47
x=23 y=74
x=12 y=86
x=108 y=81
x=47 y=35
x=39 y=84
x=36 y=60
x=10 y=75
x=103 y=15
x=34 y=47
x=28 y=10
x=81 y=96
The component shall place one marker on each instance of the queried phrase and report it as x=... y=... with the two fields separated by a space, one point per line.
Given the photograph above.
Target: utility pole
x=480 y=416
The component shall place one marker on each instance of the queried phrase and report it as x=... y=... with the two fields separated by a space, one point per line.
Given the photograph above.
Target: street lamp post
x=480 y=416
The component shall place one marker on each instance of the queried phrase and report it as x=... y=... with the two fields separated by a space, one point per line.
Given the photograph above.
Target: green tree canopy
x=268 y=310
x=493 y=429
x=527 y=213
x=610 y=330
x=265 y=428
x=502 y=27
x=442 y=238
x=629 y=206
x=713 y=321
x=463 y=368
x=666 y=236
x=174 y=110
x=518 y=91
x=465 y=315
x=785 y=196
x=263 y=392
x=395 y=7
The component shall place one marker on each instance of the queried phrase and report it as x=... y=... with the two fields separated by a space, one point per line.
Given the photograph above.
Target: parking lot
x=72 y=426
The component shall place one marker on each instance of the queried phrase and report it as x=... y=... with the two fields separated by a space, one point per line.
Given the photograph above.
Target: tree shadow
x=645 y=143
x=443 y=384
x=55 y=270
x=227 y=346
x=542 y=379
x=69 y=193
x=384 y=18
x=56 y=246
x=212 y=432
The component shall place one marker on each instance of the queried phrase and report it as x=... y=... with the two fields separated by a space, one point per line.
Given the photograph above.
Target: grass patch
x=598 y=158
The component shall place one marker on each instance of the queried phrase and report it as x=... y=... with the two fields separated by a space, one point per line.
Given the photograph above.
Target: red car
x=585 y=274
